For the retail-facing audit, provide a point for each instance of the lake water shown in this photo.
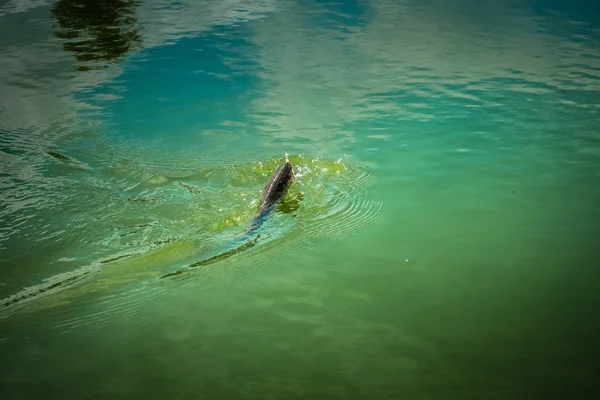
(440, 240)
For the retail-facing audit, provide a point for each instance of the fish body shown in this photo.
(275, 190)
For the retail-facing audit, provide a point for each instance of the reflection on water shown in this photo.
(97, 31)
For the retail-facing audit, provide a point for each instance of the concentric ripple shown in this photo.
(342, 205)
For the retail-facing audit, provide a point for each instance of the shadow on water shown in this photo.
(97, 32)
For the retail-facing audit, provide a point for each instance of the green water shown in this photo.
(440, 241)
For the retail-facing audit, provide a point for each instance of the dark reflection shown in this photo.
(97, 31)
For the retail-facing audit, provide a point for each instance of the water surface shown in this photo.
(440, 240)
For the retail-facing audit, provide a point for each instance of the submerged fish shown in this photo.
(274, 191)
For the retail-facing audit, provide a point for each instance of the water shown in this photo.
(440, 240)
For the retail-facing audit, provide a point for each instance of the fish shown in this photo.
(274, 191)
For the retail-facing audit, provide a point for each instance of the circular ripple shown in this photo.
(346, 215)
(339, 204)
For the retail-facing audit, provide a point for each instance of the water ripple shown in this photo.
(329, 199)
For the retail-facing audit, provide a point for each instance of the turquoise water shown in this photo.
(440, 241)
